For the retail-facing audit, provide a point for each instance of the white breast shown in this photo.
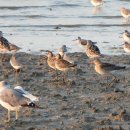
(9, 107)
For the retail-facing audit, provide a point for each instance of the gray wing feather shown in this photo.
(13, 97)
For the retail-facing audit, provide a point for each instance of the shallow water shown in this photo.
(31, 24)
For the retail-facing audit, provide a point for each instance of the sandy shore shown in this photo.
(84, 102)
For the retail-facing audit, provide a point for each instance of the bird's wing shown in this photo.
(94, 49)
(26, 94)
(15, 62)
(111, 67)
(5, 43)
(128, 35)
(13, 97)
(66, 64)
(127, 46)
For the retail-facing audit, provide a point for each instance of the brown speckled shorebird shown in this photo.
(92, 50)
(106, 68)
(126, 47)
(62, 64)
(83, 41)
(126, 36)
(16, 65)
(6, 46)
(51, 60)
(125, 13)
(97, 2)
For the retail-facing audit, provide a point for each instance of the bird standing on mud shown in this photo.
(106, 68)
(92, 50)
(13, 100)
(63, 65)
(16, 65)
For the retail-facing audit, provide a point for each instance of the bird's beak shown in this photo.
(121, 44)
(75, 40)
(68, 47)
(90, 62)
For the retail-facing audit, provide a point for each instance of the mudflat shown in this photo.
(85, 100)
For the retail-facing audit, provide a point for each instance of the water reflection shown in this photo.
(96, 10)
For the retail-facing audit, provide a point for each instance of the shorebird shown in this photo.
(126, 36)
(6, 46)
(83, 41)
(62, 64)
(4, 43)
(63, 52)
(14, 48)
(97, 2)
(92, 50)
(13, 100)
(15, 64)
(51, 60)
(126, 47)
(125, 13)
(106, 68)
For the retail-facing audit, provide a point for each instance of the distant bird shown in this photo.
(63, 52)
(84, 41)
(16, 65)
(92, 50)
(6, 46)
(62, 64)
(106, 68)
(125, 13)
(97, 2)
(126, 47)
(13, 100)
(126, 36)
(26, 94)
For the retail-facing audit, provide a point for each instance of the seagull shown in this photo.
(13, 100)
(126, 36)
(125, 13)
(92, 50)
(97, 2)
(26, 93)
(63, 52)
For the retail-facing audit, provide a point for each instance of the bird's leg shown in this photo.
(8, 120)
(17, 74)
(114, 79)
(57, 75)
(17, 115)
(64, 76)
